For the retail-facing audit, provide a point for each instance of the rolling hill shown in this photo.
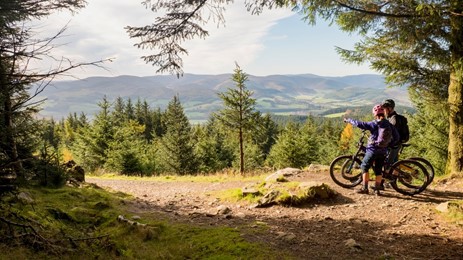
(300, 94)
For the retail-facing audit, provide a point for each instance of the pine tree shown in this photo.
(118, 117)
(265, 134)
(18, 83)
(159, 126)
(211, 148)
(90, 148)
(129, 110)
(126, 150)
(429, 128)
(329, 143)
(296, 146)
(239, 114)
(177, 146)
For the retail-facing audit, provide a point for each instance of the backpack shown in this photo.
(385, 135)
(402, 127)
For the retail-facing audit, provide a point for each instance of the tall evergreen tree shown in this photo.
(177, 145)
(18, 83)
(159, 125)
(90, 148)
(118, 116)
(143, 115)
(239, 114)
(329, 143)
(129, 110)
(429, 131)
(211, 148)
(265, 134)
(126, 150)
(296, 146)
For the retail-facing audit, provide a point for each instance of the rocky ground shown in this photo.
(350, 226)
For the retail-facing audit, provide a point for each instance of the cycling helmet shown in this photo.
(378, 110)
(388, 103)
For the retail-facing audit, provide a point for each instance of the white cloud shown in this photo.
(240, 40)
(97, 32)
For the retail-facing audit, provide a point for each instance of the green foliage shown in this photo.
(46, 171)
(429, 131)
(177, 147)
(329, 135)
(211, 149)
(265, 134)
(90, 148)
(239, 114)
(296, 146)
(455, 211)
(254, 158)
(126, 149)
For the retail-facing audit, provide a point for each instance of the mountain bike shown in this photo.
(427, 164)
(408, 177)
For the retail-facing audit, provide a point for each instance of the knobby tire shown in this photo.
(345, 171)
(428, 166)
(413, 177)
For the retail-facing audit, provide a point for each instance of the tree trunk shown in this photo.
(455, 100)
(9, 145)
(455, 156)
(241, 152)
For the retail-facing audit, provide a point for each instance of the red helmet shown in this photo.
(378, 110)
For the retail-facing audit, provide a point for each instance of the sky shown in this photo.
(275, 42)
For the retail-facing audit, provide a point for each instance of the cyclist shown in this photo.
(400, 123)
(382, 135)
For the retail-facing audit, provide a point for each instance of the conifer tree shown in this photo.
(90, 148)
(329, 144)
(296, 146)
(129, 110)
(212, 150)
(265, 134)
(118, 117)
(177, 145)
(19, 83)
(143, 117)
(159, 126)
(429, 132)
(239, 114)
(127, 148)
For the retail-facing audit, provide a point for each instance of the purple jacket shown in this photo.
(373, 127)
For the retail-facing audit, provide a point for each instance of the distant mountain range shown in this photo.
(277, 94)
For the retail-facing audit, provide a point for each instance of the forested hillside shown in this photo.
(134, 138)
(276, 94)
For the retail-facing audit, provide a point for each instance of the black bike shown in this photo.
(408, 177)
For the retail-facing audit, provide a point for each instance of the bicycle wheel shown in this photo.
(428, 166)
(345, 171)
(410, 177)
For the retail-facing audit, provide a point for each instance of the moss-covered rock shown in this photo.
(293, 193)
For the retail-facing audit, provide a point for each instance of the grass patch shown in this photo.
(455, 211)
(78, 223)
(184, 178)
(288, 193)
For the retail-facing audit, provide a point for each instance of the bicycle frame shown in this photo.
(361, 149)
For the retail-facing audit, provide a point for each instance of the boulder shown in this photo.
(281, 174)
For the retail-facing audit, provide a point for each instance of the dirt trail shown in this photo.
(351, 226)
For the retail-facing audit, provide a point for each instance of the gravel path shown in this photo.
(351, 226)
